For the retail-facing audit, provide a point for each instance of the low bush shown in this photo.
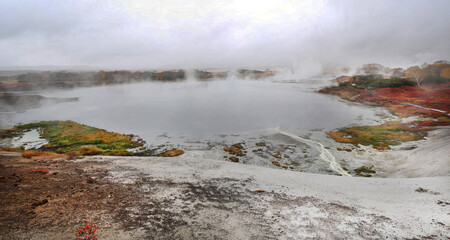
(87, 232)
(374, 81)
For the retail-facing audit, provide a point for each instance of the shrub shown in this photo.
(375, 81)
(87, 232)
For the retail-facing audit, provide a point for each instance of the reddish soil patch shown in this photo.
(47, 196)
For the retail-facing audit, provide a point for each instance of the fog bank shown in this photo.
(305, 35)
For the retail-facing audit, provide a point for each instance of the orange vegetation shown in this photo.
(234, 151)
(9, 149)
(68, 137)
(445, 72)
(339, 136)
(34, 153)
(379, 136)
(171, 153)
(40, 170)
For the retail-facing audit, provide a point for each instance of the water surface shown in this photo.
(198, 110)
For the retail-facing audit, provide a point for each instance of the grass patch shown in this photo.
(71, 138)
(379, 136)
(35, 153)
(364, 171)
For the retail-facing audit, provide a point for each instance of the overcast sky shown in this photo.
(208, 33)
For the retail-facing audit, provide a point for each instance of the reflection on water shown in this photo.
(197, 110)
(29, 140)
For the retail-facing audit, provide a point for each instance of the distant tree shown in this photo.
(445, 73)
(415, 73)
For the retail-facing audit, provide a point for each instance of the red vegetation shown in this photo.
(433, 123)
(40, 170)
(406, 111)
(435, 96)
(87, 232)
(430, 96)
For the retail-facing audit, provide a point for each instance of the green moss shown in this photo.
(68, 137)
(364, 169)
(442, 118)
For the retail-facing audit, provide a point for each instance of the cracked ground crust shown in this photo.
(218, 208)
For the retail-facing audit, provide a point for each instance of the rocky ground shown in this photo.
(186, 197)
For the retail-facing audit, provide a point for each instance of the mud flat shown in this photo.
(187, 197)
(286, 204)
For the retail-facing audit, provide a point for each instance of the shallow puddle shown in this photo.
(29, 140)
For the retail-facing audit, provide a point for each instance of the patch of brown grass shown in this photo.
(35, 153)
(171, 153)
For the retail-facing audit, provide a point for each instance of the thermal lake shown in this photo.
(208, 115)
(196, 109)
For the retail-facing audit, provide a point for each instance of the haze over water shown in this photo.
(196, 109)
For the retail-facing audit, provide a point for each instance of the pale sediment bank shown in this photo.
(325, 155)
(238, 201)
(427, 159)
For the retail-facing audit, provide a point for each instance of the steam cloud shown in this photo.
(220, 34)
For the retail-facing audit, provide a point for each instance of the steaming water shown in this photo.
(198, 110)
(222, 112)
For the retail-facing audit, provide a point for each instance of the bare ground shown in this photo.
(129, 202)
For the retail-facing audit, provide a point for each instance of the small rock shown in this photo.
(39, 203)
(233, 151)
(238, 146)
(261, 144)
(234, 159)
